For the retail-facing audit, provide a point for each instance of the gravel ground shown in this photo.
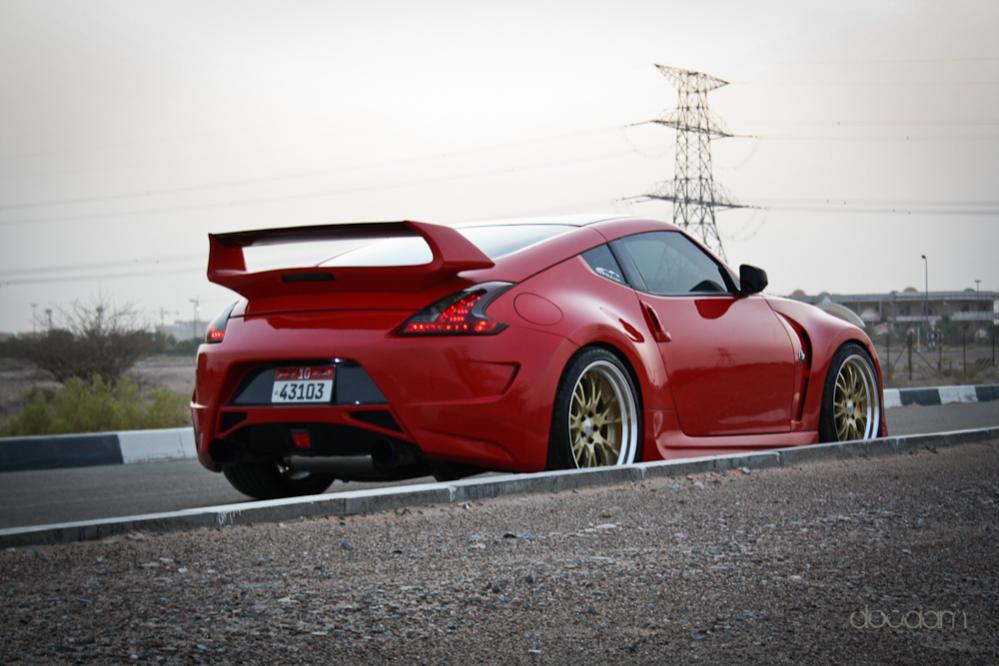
(768, 567)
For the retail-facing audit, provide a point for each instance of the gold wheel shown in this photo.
(856, 408)
(603, 418)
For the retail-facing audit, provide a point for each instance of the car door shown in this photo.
(729, 359)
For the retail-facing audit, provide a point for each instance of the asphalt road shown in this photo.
(51, 496)
(888, 560)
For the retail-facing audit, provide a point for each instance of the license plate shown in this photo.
(302, 385)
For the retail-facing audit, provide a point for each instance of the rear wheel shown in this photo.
(596, 418)
(851, 402)
(273, 480)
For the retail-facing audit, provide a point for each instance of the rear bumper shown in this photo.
(482, 401)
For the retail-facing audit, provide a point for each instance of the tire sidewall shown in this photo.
(559, 448)
(827, 422)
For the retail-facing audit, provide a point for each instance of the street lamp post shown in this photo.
(978, 300)
(926, 298)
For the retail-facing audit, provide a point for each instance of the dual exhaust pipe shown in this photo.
(388, 461)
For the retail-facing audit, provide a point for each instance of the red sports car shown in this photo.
(393, 350)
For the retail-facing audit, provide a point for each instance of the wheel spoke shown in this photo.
(600, 405)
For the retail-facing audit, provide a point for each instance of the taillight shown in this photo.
(462, 313)
(216, 329)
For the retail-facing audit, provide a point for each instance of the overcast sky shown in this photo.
(129, 130)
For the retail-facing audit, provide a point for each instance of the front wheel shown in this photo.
(272, 480)
(596, 420)
(851, 401)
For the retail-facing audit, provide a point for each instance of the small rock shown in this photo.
(606, 526)
(346, 545)
(745, 470)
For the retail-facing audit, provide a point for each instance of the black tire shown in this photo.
(831, 430)
(270, 481)
(560, 453)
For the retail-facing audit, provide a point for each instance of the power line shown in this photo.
(842, 201)
(847, 84)
(856, 206)
(876, 137)
(90, 277)
(227, 184)
(885, 210)
(145, 261)
(317, 194)
(294, 175)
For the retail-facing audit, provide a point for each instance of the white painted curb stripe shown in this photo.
(893, 398)
(156, 445)
(949, 394)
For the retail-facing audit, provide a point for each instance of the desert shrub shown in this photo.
(98, 339)
(97, 405)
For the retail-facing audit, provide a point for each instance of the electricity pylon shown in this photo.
(693, 191)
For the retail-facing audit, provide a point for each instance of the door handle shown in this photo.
(659, 333)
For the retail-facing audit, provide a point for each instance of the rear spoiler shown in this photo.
(452, 253)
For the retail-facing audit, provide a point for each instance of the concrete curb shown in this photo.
(940, 395)
(95, 448)
(139, 446)
(395, 497)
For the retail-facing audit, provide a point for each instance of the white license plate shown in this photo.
(302, 385)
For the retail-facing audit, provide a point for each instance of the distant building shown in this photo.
(978, 309)
(185, 330)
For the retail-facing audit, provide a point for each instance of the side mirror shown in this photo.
(752, 280)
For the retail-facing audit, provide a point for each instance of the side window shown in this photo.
(669, 264)
(603, 263)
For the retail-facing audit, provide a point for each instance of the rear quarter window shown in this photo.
(604, 264)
